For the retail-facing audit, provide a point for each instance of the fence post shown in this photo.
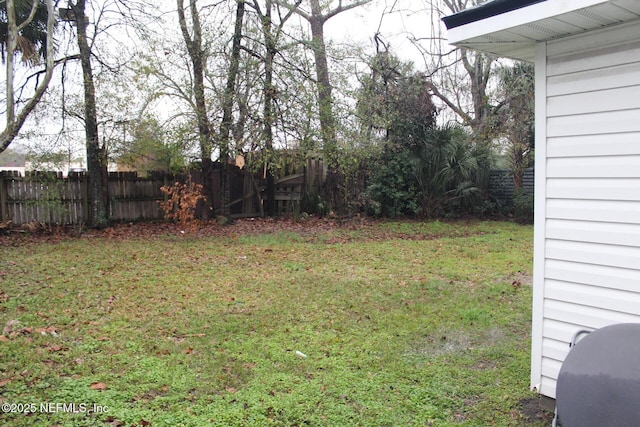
(84, 186)
(4, 208)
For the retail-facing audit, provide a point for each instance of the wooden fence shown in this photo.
(50, 198)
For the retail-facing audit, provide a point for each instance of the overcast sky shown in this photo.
(396, 21)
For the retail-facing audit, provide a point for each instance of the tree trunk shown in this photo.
(227, 106)
(12, 34)
(204, 130)
(517, 166)
(325, 99)
(96, 155)
(269, 96)
(197, 57)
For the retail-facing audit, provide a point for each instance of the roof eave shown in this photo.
(514, 33)
(484, 11)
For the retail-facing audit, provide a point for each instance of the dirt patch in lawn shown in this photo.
(536, 410)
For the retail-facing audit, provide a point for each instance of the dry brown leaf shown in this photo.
(98, 386)
(111, 421)
(10, 326)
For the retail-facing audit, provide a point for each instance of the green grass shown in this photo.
(401, 323)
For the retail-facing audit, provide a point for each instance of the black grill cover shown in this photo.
(599, 381)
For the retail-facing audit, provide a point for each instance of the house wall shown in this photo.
(587, 266)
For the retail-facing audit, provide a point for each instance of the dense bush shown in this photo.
(394, 190)
(422, 168)
(439, 174)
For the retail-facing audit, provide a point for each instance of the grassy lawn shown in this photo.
(386, 324)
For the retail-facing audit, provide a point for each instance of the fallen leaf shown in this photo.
(113, 422)
(9, 326)
(3, 338)
(98, 386)
(144, 422)
(4, 382)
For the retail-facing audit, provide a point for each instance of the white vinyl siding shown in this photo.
(590, 273)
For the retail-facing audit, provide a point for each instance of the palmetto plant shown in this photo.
(448, 167)
(440, 173)
(517, 83)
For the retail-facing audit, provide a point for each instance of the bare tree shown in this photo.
(96, 153)
(271, 33)
(317, 15)
(227, 104)
(15, 119)
(198, 58)
(460, 78)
